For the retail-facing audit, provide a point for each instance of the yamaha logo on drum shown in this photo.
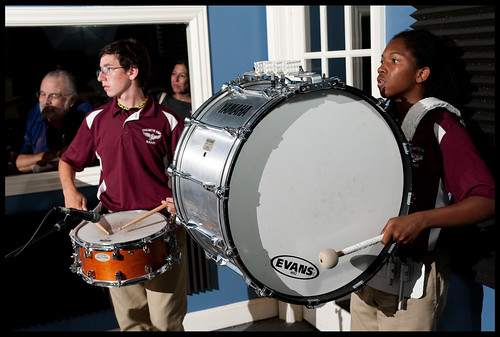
(295, 267)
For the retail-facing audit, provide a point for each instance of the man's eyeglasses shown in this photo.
(105, 70)
(54, 96)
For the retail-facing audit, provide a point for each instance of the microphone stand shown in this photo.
(60, 225)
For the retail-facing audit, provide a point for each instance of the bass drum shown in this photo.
(265, 182)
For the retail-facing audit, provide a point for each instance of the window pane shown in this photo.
(336, 30)
(313, 39)
(336, 68)
(313, 65)
(362, 74)
(360, 16)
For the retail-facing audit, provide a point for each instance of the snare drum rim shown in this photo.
(107, 247)
(386, 252)
(122, 283)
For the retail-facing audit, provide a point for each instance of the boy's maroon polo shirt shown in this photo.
(134, 149)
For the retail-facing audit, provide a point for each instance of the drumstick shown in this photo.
(101, 227)
(361, 245)
(151, 212)
(328, 258)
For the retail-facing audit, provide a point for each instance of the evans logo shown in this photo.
(295, 267)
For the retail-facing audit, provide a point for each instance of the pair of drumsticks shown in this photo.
(151, 212)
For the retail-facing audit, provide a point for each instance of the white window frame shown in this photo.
(195, 17)
(287, 31)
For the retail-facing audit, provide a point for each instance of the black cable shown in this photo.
(21, 249)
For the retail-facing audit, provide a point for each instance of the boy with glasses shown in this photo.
(134, 139)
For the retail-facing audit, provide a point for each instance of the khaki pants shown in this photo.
(375, 310)
(159, 304)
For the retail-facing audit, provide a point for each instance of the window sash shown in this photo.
(287, 36)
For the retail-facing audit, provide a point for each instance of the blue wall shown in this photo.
(397, 19)
(238, 38)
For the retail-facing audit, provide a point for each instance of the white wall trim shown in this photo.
(328, 317)
(194, 16)
(231, 315)
(377, 29)
(48, 181)
(285, 32)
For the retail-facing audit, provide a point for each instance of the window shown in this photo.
(342, 41)
(194, 17)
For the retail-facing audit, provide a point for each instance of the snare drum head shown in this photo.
(322, 170)
(146, 228)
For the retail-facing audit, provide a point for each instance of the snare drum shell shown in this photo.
(133, 255)
(128, 263)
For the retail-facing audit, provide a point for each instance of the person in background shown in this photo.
(180, 98)
(134, 139)
(52, 123)
(424, 80)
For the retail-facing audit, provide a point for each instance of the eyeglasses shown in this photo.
(105, 70)
(53, 96)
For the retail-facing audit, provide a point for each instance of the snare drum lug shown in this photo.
(118, 275)
(146, 249)
(173, 258)
(116, 254)
(91, 274)
(172, 243)
(87, 253)
(148, 270)
(74, 267)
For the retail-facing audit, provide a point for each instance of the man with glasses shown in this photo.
(52, 123)
(134, 138)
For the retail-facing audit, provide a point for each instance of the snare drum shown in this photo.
(135, 254)
(265, 178)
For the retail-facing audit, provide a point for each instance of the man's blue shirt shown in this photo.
(41, 136)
